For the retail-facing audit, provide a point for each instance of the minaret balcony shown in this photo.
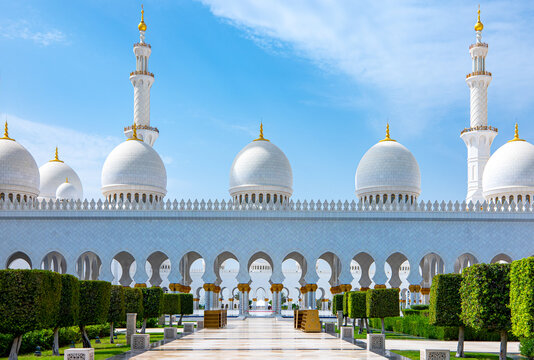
(478, 45)
(148, 45)
(142, 127)
(476, 73)
(480, 127)
(141, 73)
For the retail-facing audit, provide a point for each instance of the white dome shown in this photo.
(53, 174)
(19, 174)
(510, 171)
(388, 168)
(67, 191)
(134, 167)
(261, 166)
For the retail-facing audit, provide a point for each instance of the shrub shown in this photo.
(152, 303)
(186, 305)
(29, 300)
(117, 308)
(382, 303)
(412, 312)
(171, 305)
(69, 307)
(485, 294)
(133, 301)
(420, 307)
(94, 305)
(526, 348)
(357, 304)
(522, 297)
(337, 303)
(346, 303)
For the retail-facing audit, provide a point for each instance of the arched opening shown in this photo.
(463, 261)
(226, 268)
(88, 266)
(123, 267)
(54, 261)
(19, 260)
(364, 270)
(294, 268)
(192, 267)
(397, 269)
(158, 267)
(260, 268)
(501, 259)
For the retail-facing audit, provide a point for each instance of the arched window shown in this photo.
(25, 198)
(246, 198)
(253, 198)
(137, 197)
(18, 197)
(503, 199)
(144, 197)
(2, 196)
(511, 198)
(240, 199)
(527, 198)
(519, 198)
(392, 197)
(129, 197)
(268, 198)
(261, 198)
(10, 197)
(150, 197)
(281, 199)
(275, 196)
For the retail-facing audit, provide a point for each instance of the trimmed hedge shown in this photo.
(171, 304)
(522, 299)
(412, 312)
(94, 302)
(346, 303)
(29, 300)
(337, 303)
(420, 307)
(357, 304)
(69, 306)
(382, 303)
(117, 309)
(152, 302)
(485, 293)
(133, 301)
(186, 304)
(445, 301)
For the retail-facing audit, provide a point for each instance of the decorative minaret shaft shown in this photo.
(142, 81)
(479, 136)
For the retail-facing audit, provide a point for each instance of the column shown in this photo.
(195, 303)
(276, 289)
(243, 298)
(208, 296)
(304, 297)
(311, 289)
(216, 298)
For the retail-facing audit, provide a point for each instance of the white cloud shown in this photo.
(22, 29)
(413, 54)
(84, 152)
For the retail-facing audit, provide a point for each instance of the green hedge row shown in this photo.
(44, 338)
(337, 303)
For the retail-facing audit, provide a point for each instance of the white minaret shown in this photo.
(142, 81)
(479, 136)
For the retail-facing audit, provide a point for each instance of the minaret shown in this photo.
(479, 136)
(142, 81)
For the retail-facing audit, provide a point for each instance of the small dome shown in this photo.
(20, 174)
(509, 172)
(388, 168)
(53, 174)
(261, 167)
(67, 191)
(134, 167)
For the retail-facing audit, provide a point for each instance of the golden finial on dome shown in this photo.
(6, 134)
(134, 135)
(516, 134)
(261, 138)
(387, 138)
(56, 157)
(479, 26)
(67, 180)
(142, 25)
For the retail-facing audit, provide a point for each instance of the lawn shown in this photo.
(414, 355)
(102, 351)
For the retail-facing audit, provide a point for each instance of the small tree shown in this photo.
(485, 293)
(346, 306)
(446, 305)
(29, 300)
(94, 305)
(171, 305)
(186, 306)
(358, 308)
(133, 301)
(152, 304)
(117, 308)
(522, 297)
(382, 303)
(337, 303)
(68, 307)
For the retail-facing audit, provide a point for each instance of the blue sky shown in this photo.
(324, 76)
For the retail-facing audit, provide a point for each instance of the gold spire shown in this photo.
(479, 26)
(516, 134)
(6, 134)
(56, 158)
(387, 138)
(261, 138)
(142, 25)
(134, 135)
(67, 180)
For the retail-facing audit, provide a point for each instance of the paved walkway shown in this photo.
(259, 338)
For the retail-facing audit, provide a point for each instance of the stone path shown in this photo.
(258, 339)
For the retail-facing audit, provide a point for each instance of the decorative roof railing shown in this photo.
(478, 45)
(292, 206)
(475, 73)
(141, 127)
(479, 127)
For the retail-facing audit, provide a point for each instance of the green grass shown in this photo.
(102, 351)
(414, 355)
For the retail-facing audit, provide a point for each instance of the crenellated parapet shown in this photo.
(291, 206)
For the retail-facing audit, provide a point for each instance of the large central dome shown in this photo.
(388, 171)
(261, 172)
(134, 171)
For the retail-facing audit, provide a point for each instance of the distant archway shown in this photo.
(88, 266)
(463, 261)
(19, 260)
(54, 261)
